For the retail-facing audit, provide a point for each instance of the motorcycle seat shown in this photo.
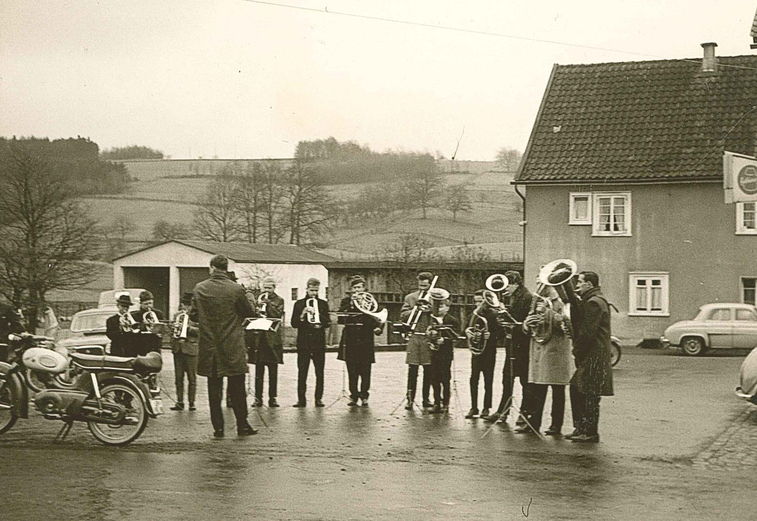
(102, 362)
(152, 362)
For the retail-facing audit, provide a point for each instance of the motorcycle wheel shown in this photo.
(134, 423)
(614, 354)
(8, 415)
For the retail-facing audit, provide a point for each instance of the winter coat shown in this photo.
(357, 343)
(519, 307)
(309, 337)
(444, 353)
(591, 346)
(266, 347)
(550, 358)
(219, 306)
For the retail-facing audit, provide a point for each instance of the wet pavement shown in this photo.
(676, 444)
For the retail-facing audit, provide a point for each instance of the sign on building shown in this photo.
(739, 178)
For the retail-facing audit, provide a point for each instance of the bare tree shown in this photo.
(509, 159)
(46, 235)
(248, 199)
(456, 200)
(163, 230)
(306, 204)
(216, 218)
(271, 194)
(425, 187)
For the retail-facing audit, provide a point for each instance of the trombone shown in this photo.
(407, 327)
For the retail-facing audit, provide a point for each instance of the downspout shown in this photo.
(523, 224)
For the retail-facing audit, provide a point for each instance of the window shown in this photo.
(611, 214)
(580, 208)
(748, 293)
(648, 295)
(720, 314)
(746, 218)
(745, 314)
(294, 293)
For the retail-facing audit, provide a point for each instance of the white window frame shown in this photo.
(572, 220)
(741, 229)
(595, 231)
(742, 287)
(633, 277)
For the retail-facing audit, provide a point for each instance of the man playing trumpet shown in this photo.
(184, 348)
(150, 324)
(267, 350)
(310, 317)
(358, 343)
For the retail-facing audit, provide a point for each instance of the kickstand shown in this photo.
(63, 432)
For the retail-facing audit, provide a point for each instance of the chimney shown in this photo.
(709, 61)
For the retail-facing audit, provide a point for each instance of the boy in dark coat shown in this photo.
(442, 352)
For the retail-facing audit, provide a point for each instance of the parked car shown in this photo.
(88, 329)
(716, 326)
(747, 388)
(108, 298)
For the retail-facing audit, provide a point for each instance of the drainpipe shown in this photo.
(523, 224)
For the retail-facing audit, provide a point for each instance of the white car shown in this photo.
(719, 325)
(748, 378)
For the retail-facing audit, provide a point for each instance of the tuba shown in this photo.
(559, 274)
(366, 303)
(181, 325)
(477, 333)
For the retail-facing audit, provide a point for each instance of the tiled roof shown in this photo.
(256, 253)
(753, 33)
(641, 121)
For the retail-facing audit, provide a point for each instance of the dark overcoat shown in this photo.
(266, 347)
(122, 343)
(591, 346)
(519, 307)
(444, 353)
(310, 338)
(357, 343)
(220, 306)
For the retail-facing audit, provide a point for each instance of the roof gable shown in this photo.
(642, 121)
(243, 252)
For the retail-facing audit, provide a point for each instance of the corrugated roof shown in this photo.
(641, 121)
(254, 253)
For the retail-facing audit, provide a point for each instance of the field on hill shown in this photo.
(164, 190)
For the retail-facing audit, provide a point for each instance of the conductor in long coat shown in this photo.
(219, 306)
(591, 350)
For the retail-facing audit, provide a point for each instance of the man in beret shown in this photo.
(219, 306)
(310, 317)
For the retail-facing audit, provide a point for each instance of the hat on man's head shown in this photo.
(269, 280)
(186, 298)
(513, 277)
(232, 276)
(145, 295)
(313, 283)
(124, 299)
(356, 279)
(220, 262)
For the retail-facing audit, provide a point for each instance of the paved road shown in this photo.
(676, 444)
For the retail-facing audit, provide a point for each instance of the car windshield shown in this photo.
(89, 322)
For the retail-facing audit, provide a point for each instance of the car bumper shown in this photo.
(752, 398)
(666, 343)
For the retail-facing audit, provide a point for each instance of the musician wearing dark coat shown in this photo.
(311, 322)
(149, 321)
(442, 352)
(219, 306)
(184, 349)
(357, 344)
(123, 330)
(484, 362)
(518, 302)
(10, 322)
(592, 353)
(418, 353)
(266, 349)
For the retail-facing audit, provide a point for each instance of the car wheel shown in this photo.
(693, 346)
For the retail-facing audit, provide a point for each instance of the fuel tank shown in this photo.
(45, 360)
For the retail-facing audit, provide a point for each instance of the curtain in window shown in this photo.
(605, 204)
(619, 214)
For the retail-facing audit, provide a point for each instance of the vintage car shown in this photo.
(716, 326)
(88, 329)
(747, 388)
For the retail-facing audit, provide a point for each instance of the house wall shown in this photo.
(684, 229)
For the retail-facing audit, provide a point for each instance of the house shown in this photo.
(172, 268)
(623, 173)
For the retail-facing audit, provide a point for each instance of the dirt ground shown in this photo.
(676, 444)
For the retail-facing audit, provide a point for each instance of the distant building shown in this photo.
(623, 174)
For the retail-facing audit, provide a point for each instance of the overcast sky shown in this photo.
(239, 79)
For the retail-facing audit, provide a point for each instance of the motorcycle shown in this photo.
(114, 395)
(615, 352)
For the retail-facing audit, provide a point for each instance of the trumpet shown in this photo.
(127, 323)
(314, 316)
(263, 303)
(181, 325)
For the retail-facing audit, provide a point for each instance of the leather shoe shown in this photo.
(365, 402)
(427, 405)
(272, 402)
(524, 429)
(409, 406)
(586, 438)
(572, 435)
(472, 413)
(485, 411)
(299, 404)
(494, 418)
(218, 433)
(553, 432)
(247, 430)
(319, 403)
(257, 403)
(352, 402)
(192, 407)
(178, 407)
(436, 409)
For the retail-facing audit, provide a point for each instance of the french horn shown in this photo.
(366, 303)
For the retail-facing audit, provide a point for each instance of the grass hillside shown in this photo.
(166, 190)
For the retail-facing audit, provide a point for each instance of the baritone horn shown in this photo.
(366, 303)
(477, 333)
(497, 282)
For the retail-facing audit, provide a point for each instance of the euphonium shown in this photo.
(181, 325)
(367, 303)
(314, 316)
(477, 333)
